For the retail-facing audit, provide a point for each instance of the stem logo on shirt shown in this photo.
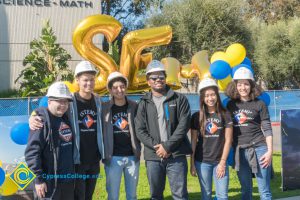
(88, 121)
(211, 127)
(65, 132)
(240, 118)
(121, 123)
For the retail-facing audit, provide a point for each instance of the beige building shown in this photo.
(21, 21)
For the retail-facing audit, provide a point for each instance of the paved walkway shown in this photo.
(291, 198)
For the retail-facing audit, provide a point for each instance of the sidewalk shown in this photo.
(290, 198)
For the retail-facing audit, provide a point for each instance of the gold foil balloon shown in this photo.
(172, 67)
(188, 71)
(132, 46)
(219, 55)
(145, 60)
(83, 43)
(201, 64)
(8, 187)
(223, 83)
(235, 53)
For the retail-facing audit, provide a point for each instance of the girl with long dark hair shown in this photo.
(211, 131)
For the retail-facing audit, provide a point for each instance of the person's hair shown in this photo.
(232, 92)
(111, 82)
(88, 72)
(149, 74)
(203, 112)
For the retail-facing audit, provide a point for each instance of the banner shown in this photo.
(290, 139)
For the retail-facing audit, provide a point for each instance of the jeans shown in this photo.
(208, 172)
(84, 188)
(175, 169)
(129, 165)
(263, 176)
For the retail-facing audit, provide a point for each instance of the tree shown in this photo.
(45, 64)
(277, 54)
(131, 13)
(271, 11)
(201, 25)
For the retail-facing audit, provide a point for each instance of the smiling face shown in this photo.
(244, 88)
(210, 98)
(157, 81)
(118, 90)
(86, 82)
(58, 106)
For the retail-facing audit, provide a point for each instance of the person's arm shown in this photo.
(141, 130)
(182, 128)
(266, 127)
(33, 153)
(194, 138)
(228, 141)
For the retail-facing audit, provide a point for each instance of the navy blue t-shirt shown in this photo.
(63, 135)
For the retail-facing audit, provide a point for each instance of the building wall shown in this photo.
(21, 21)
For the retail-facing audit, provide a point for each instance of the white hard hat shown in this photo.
(155, 66)
(84, 66)
(115, 75)
(243, 73)
(59, 90)
(207, 82)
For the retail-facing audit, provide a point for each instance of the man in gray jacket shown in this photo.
(162, 123)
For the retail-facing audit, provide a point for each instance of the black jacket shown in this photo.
(42, 152)
(177, 114)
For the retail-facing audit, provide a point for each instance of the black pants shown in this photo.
(63, 191)
(85, 186)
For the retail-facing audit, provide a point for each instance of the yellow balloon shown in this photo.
(224, 83)
(0, 163)
(8, 187)
(172, 66)
(83, 43)
(133, 44)
(201, 63)
(235, 53)
(73, 87)
(188, 71)
(219, 55)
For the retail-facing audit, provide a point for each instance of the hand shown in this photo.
(266, 159)
(160, 151)
(35, 122)
(41, 190)
(193, 170)
(221, 170)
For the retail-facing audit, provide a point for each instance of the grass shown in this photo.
(194, 187)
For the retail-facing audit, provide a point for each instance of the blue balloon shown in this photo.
(43, 102)
(19, 133)
(220, 69)
(2, 176)
(225, 102)
(247, 61)
(241, 65)
(265, 98)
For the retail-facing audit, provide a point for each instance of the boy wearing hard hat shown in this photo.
(49, 150)
(122, 148)
(85, 117)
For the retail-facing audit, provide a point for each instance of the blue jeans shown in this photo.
(175, 169)
(129, 165)
(206, 172)
(263, 176)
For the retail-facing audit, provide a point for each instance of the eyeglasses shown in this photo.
(155, 77)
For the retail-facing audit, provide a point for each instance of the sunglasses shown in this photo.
(155, 77)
